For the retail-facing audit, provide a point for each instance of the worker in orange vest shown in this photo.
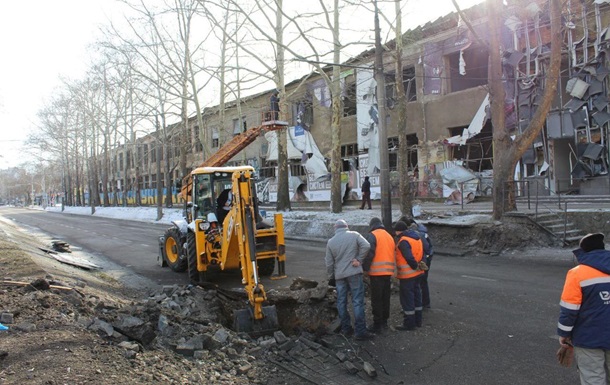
(409, 253)
(380, 266)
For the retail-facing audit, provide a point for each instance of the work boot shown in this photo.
(418, 318)
(408, 323)
(384, 325)
(365, 336)
(375, 328)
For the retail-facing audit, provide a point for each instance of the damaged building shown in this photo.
(449, 130)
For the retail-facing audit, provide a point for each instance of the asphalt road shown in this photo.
(493, 319)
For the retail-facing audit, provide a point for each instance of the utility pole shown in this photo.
(384, 173)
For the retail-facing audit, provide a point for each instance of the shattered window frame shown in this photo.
(482, 146)
(477, 69)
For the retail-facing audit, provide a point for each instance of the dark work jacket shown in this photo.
(366, 186)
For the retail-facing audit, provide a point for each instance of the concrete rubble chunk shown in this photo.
(27, 327)
(369, 369)
(351, 369)
(136, 329)
(162, 324)
(280, 337)
(221, 336)
(310, 343)
(210, 343)
(99, 325)
(286, 346)
(6, 318)
(168, 290)
(267, 343)
(188, 348)
(130, 346)
(245, 368)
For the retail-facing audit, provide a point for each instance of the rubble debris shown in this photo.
(61, 246)
(38, 284)
(6, 318)
(190, 321)
(75, 261)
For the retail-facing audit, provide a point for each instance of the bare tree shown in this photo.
(508, 151)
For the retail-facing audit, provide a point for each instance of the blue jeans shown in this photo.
(354, 285)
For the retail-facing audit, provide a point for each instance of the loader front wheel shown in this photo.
(191, 250)
(172, 250)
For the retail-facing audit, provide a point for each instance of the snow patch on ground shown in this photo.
(353, 216)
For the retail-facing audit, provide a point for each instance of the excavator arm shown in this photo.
(256, 319)
(232, 148)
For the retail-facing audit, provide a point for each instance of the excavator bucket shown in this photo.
(244, 322)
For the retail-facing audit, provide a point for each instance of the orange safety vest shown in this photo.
(384, 260)
(417, 249)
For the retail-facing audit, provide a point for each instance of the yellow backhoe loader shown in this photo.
(223, 230)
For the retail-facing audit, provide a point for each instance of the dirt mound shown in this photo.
(491, 238)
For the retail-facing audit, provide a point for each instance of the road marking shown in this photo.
(479, 278)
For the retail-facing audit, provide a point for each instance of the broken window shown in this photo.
(198, 144)
(302, 113)
(297, 170)
(468, 69)
(215, 138)
(349, 99)
(411, 152)
(145, 153)
(477, 153)
(348, 150)
(239, 126)
(408, 82)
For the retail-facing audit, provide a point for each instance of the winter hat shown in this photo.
(407, 220)
(340, 224)
(375, 222)
(400, 226)
(592, 242)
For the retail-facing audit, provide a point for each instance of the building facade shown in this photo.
(449, 132)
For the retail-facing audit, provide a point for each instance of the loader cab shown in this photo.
(203, 196)
(208, 190)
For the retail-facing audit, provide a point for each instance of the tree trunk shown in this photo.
(501, 139)
(283, 193)
(506, 151)
(404, 182)
(336, 165)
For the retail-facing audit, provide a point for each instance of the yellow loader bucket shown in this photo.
(244, 322)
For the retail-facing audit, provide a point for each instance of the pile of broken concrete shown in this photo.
(178, 333)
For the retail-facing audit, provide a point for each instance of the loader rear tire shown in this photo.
(191, 256)
(266, 267)
(173, 251)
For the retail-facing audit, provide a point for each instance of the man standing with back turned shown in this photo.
(584, 320)
(344, 255)
(380, 265)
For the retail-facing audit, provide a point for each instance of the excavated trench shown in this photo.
(304, 306)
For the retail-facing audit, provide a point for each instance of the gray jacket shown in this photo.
(341, 250)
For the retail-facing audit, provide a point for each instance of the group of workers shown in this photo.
(404, 252)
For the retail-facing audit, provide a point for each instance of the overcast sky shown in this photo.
(43, 40)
